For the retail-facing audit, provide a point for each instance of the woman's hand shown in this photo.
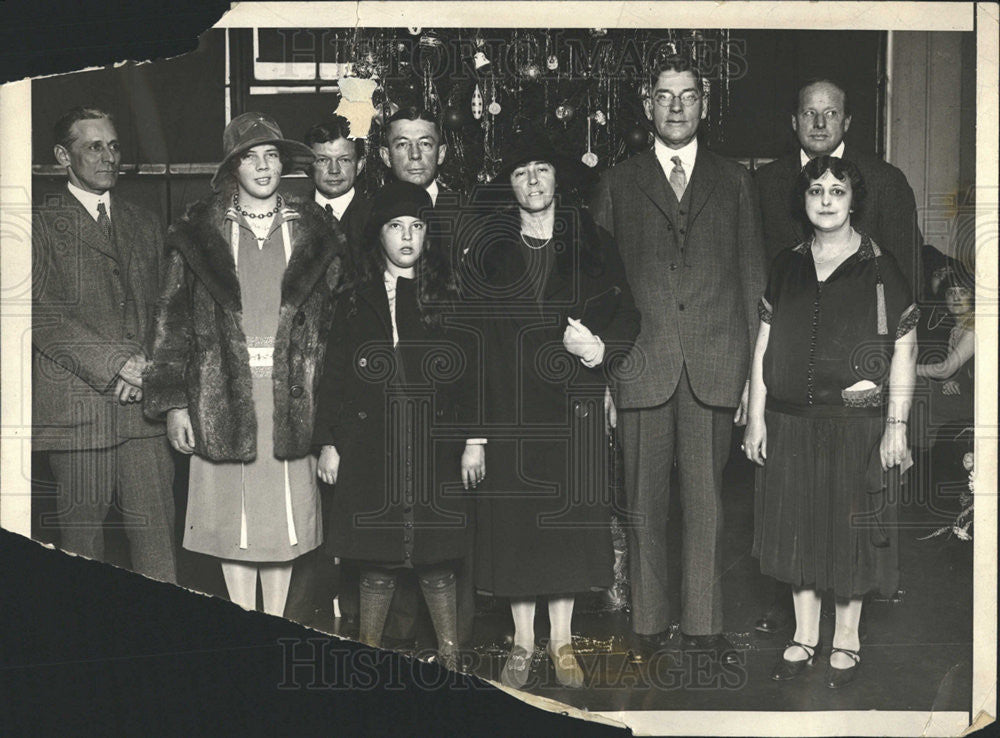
(893, 447)
(180, 433)
(755, 441)
(580, 342)
(473, 464)
(329, 464)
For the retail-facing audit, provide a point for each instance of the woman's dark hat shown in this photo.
(253, 129)
(399, 198)
(533, 147)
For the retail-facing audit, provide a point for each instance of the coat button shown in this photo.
(581, 409)
(362, 362)
(670, 226)
(300, 318)
(673, 267)
(408, 524)
(408, 509)
(130, 335)
(439, 413)
(296, 391)
(680, 306)
(116, 271)
(362, 414)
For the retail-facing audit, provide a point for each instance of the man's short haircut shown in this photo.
(62, 132)
(334, 128)
(412, 113)
(673, 63)
(820, 81)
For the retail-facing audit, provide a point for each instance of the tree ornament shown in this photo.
(600, 118)
(494, 108)
(531, 72)
(598, 32)
(477, 103)
(414, 30)
(552, 62)
(479, 60)
(637, 138)
(589, 158)
(453, 118)
(564, 112)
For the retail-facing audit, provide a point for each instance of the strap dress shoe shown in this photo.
(785, 670)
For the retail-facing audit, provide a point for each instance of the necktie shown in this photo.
(678, 179)
(329, 212)
(105, 222)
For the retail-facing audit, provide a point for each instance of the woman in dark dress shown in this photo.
(558, 316)
(830, 392)
(387, 418)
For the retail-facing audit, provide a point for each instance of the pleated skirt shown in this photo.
(818, 523)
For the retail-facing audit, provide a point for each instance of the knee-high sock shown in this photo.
(377, 588)
(438, 586)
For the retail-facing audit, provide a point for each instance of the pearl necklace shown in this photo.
(248, 214)
(535, 248)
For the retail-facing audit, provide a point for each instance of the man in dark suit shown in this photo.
(97, 261)
(339, 161)
(688, 227)
(317, 577)
(820, 119)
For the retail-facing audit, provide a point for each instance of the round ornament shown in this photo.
(590, 159)
(637, 138)
(494, 108)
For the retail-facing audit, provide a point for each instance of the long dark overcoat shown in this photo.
(199, 351)
(543, 515)
(398, 419)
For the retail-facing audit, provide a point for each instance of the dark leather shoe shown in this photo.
(718, 644)
(837, 678)
(647, 645)
(785, 669)
(778, 617)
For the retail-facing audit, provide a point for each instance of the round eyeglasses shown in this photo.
(665, 99)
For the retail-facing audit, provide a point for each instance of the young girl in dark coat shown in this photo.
(389, 403)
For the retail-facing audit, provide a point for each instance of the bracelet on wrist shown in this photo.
(895, 421)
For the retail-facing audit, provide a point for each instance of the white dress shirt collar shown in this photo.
(89, 200)
(688, 154)
(338, 204)
(432, 190)
(838, 152)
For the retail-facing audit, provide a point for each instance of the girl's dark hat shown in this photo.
(253, 129)
(398, 198)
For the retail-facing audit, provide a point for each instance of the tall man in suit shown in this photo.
(820, 117)
(97, 261)
(688, 227)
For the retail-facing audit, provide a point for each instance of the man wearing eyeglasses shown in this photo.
(687, 224)
(821, 116)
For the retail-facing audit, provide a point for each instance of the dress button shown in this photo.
(362, 414)
(682, 212)
(115, 271)
(296, 391)
(362, 362)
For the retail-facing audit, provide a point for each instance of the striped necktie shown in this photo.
(105, 223)
(678, 179)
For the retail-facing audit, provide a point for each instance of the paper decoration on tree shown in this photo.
(477, 103)
(356, 104)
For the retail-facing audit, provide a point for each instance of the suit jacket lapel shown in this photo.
(703, 180)
(652, 181)
(90, 233)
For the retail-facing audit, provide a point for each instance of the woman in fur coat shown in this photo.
(394, 392)
(240, 334)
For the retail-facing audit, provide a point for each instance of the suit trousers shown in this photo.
(137, 477)
(698, 436)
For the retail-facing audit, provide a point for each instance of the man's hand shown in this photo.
(610, 411)
(329, 464)
(740, 418)
(180, 433)
(132, 370)
(473, 464)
